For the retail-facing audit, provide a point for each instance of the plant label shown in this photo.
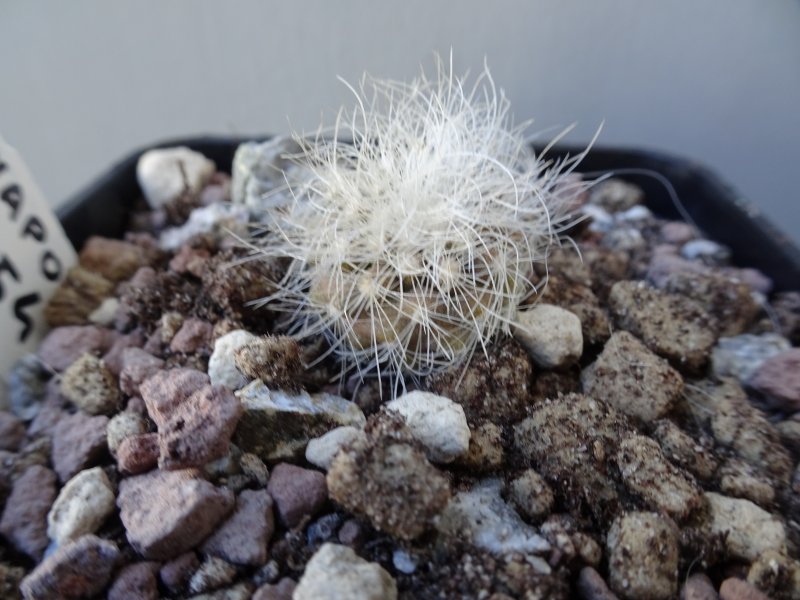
(35, 254)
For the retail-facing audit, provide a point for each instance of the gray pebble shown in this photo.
(27, 385)
(705, 250)
(323, 528)
(404, 562)
(740, 356)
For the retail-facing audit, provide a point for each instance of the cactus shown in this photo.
(412, 244)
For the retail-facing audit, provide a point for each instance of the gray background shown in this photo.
(84, 82)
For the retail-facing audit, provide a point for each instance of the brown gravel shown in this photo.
(639, 470)
(491, 388)
(672, 326)
(388, 479)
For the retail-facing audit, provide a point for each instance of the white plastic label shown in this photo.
(35, 254)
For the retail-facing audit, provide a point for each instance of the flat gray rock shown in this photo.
(277, 425)
(481, 517)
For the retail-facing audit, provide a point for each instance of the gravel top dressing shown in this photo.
(425, 364)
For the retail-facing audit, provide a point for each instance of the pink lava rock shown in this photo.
(143, 277)
(591, 585)
(195, 420)
(135, 581)
(24, 520)
(166, 513)
(190, 260)
(193, 336)
(138, 453)
(778, 378)
(12, 431)
(63, 345)
(199, 430)
(50, 413)
(282, 590)
(738, 589)
(113, 358)
(137, 365)
(244, 537)
(79, 569)
(297, 492)
(136, 405)
(351, 533)
(156, 344)
(663, 265)
(176, 573)
(79, 441)
(753, 278)
(698, 587)
(677, 232)
(164, 391)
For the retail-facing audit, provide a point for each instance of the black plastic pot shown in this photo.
(102, 208)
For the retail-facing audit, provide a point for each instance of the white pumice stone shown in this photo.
(635, 213)
(321, 451)
(82, 506)
(601, 219)
(165, 173)
(552, 335)
(438, 423)
(122, 425)
(222, 366)
(748, 530)
(336, 571)
(482, 518)
(696, 249)
(202, 220)
(104, 314)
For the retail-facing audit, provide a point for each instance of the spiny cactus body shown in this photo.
(412, 244)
